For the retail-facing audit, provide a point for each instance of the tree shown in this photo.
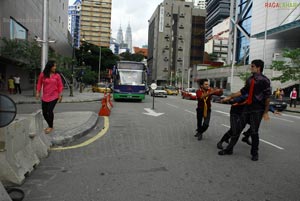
(290, 67)
(127, 56)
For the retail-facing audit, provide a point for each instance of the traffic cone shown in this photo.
(104, 110)
(109, 100)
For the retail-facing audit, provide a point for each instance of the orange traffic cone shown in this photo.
(105, 110)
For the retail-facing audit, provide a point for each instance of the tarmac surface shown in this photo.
(72, 125)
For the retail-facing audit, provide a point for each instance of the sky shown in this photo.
(135, 12)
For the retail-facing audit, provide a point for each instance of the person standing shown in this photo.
(11, 85)
(293, 96)
(52, 86)
(258, 88)
(203, 110)
(17, 84)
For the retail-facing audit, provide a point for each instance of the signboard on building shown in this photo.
(161, 19)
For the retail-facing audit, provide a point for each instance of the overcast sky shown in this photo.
(135, 12)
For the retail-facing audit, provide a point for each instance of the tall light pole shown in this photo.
(45, 34)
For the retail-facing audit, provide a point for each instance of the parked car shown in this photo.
(189, 93)
(101, 88)
(159, 91)
(217, 99)
(171, 90)
(279, 105)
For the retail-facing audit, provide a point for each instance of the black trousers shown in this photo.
(18, 88)
(202, 123)
(47, 108)
(293, 101)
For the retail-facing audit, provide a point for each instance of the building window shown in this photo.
(17, 31)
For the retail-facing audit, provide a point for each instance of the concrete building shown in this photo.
(175, 42)
(259, 30)
(217, 11)
(96, 22)
(74, 22)
(22, 20)
(218, 43)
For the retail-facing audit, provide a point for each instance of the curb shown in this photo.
(63, 137)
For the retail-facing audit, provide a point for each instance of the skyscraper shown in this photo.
(74, 22)
(175, 42)
(128, 38)
(120, 36)
(96, 21)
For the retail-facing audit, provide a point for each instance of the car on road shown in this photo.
(101, 88)
(277, 104)
(159, 91)
(189, 93)
(217, 99)
(171, 90)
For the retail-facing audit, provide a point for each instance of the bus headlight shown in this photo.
(142, 91)
(117, 90)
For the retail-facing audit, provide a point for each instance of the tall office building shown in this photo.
(74, 22)
(217, 11)
(120, 36)
(175, 42)
(128, 38)
(96, 22)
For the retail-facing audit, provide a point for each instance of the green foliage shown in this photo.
(127, 56)
(244, 76)
(89, 76)
(291, 69)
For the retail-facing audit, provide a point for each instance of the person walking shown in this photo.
(17, 84)
(293, 97)
(258, 88)
(11, 85)
(52, 86)
(203, 110)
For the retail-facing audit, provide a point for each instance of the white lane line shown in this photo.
(282, 119)
(190, 112)
(287, 115)
(172, 105)
(225, 125)
(269, 143)
(226, 113)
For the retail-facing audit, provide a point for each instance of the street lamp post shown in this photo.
(72, 73)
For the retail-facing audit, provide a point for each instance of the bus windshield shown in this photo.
(131, 77)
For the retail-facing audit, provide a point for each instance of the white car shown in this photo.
(159, 91)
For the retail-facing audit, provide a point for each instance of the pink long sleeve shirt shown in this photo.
(52, 87)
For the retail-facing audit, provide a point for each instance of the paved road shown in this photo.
(143, 157)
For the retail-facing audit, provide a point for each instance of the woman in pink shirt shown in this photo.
(52, 86)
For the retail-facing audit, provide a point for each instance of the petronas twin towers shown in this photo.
(128, 38)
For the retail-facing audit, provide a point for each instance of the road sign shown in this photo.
(8, 110)
(153, 86)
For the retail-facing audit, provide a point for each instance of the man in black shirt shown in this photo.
(257, 104)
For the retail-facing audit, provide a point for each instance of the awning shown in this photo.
(289, 32)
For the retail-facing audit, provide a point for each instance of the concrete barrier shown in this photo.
(17, 157)
(39, 142)
(3, 194)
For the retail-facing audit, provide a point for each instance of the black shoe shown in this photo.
(225, 152)
(254, 157)
(227, 141)
(246, 140)
(219, 145)
(199, 136)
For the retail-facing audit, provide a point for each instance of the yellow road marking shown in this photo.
(89, 141)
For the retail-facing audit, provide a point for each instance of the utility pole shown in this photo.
(44, 57)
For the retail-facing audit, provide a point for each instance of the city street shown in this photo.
(153, 155)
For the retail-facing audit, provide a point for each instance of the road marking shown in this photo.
(190, 112)
(287, 115)
(225, 125)
(226, 113)
(152, 112)
(172, 105)
(269, 143)
(89, 141)
(282, 119)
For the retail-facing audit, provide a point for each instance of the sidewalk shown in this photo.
(68, 126)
